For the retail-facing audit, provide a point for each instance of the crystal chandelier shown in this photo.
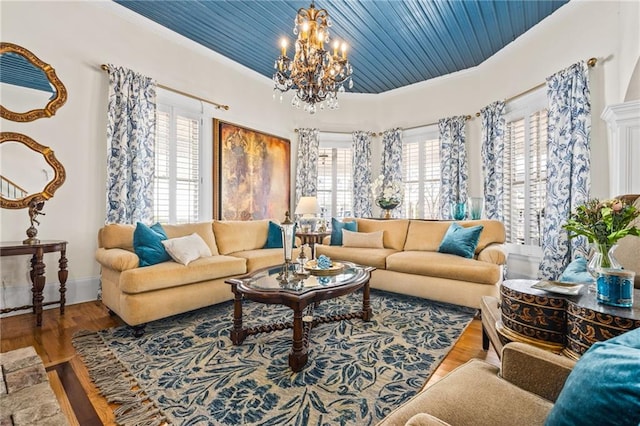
(316, 75)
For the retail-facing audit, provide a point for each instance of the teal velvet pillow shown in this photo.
(274, 236)
(461, 241)
(604, 386)
(336, 230)
(576, 272)
(147, 243)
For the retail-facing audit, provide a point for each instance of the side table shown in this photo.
(312, 238)
(567, 324)
(37, 251)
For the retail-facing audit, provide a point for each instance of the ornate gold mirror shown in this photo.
(30, 88)
(28, 171)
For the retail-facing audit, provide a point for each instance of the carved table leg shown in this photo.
(37, 275)
(62, 277)
(238, 334)
(298, 354)
(366, 306)
(32, 275)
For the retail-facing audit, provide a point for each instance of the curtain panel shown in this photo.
(492, 151)
(131, 146)
(453, 163)
(362, 206)
(568, 164)
(392, 161)
(307, 164)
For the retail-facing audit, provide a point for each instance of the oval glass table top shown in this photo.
(29, 171)
(30, 88)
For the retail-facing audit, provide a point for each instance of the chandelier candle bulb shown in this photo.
(283, 44)
(344, 50)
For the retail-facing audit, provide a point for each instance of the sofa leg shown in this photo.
(485, 339)
(138, 330)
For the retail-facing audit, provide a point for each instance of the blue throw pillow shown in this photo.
(461, 241)
(576, 272)
(274, 236)
(336, 230)
(147, 243)
(604, 386)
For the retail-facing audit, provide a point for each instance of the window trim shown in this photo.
(522, 108)
(420, 135)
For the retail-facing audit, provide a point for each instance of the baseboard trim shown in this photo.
(78, 291)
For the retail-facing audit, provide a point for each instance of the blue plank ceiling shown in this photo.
(17, 70)
(392, 43)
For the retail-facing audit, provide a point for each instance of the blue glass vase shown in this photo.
(458, 211)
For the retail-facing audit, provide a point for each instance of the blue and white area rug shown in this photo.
(186, 371)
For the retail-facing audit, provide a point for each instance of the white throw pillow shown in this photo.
(186, 249)
(362, 239)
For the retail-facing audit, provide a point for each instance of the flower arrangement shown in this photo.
(387, 194)
(603, 222)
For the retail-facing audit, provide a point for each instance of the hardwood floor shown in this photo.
(52, 341)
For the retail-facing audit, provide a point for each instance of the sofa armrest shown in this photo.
(493, 253)
(535, 370)
(117, 259)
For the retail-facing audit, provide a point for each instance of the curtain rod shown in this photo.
(217, 105)
(337, 133)
(468, 117)
(591, 62)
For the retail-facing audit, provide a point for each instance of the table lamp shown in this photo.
(306, 210)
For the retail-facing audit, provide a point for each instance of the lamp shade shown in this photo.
(308, 206)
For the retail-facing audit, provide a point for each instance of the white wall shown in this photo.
(76, 37)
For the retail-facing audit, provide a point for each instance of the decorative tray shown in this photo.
(560, 287)
(312, 267)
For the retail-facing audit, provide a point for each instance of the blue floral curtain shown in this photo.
(362, 174)
(131, 138)
(493, 128)
(307, 164)
(568, 163)
(453, 163)
(392, 161)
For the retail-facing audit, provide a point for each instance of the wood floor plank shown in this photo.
(63, 399)
(52, 341)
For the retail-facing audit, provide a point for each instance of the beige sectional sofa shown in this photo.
(142, 294)
(410, 262)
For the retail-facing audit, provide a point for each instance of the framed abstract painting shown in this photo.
(251, 173)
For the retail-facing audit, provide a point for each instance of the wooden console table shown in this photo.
(37, 251)
(567, 324)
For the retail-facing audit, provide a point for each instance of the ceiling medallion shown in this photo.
(316, 75)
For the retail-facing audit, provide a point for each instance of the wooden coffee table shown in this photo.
(302, 297)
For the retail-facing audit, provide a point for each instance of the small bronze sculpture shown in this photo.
(35, 208)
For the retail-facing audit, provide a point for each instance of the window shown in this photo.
(178, 183)
(525, 177)
(421, 173)
(335, 176)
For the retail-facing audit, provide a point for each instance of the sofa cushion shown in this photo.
(375, 257)
(147, 243)
(576, 272)
(460, 241)
(395, 230)
(336, 230)
(186, 249)
(172, 274)
(604, 387)
(442, 265)
(262, 258)
(427, 234)
(204, 229)
(236, 235)
(362, 239)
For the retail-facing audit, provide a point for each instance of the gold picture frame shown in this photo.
(251, 173)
